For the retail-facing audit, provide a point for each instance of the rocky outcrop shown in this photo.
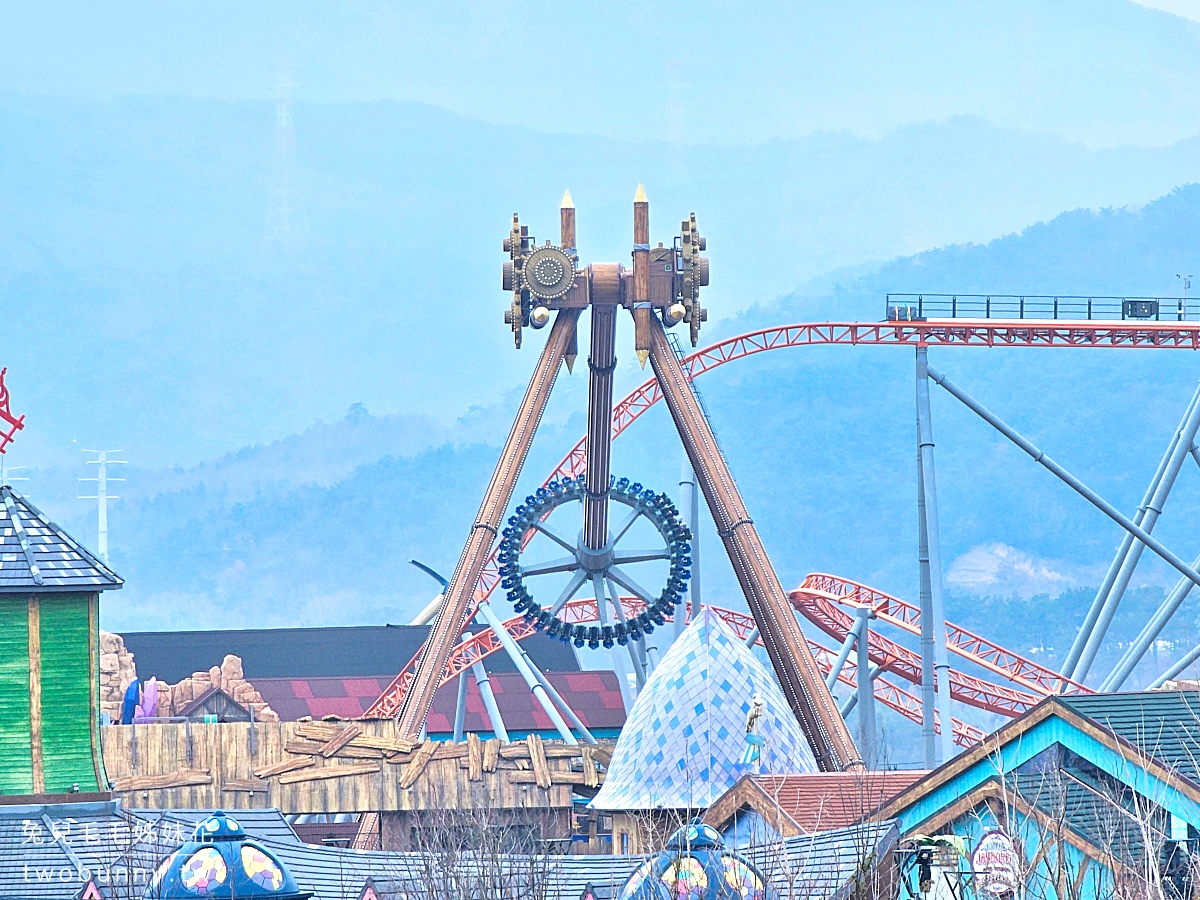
(229, 677)
(118, 670)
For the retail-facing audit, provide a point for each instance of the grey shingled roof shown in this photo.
(1162, 724)
(808, 867)
(44, 847)
(36, 555)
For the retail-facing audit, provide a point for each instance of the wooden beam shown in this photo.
(491, 755)
(35, 694)
(474, 758)
(554, 778)
(179, 778)
(331, 747)
(254, 786)
(327, 772)
(537, 755)
(420, 760)
(288, 765)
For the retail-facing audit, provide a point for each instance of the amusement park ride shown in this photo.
(662, 291)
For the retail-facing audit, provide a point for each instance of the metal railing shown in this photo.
(920, 307)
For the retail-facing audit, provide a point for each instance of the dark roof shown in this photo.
(370, 651)
(1162, 724)
(36, 555)
(1106, 818)
(38, 843)
(264, 824)
(809, 867)
(595, 696)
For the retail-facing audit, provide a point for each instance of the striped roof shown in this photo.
(36, 555)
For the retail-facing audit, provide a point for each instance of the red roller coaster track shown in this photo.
(954, 333)
(979, 650)
(480, 646)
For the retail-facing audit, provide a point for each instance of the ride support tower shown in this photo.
(662, 291)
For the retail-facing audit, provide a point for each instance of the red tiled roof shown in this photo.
(594, 696)
(811, 802)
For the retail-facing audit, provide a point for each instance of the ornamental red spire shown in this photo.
(15, 423)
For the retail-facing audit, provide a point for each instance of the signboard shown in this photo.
(996, 865)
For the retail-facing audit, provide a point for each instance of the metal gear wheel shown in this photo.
(603, 568)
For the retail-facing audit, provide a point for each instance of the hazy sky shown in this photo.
(1106, 72)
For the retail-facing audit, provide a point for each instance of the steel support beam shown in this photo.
(1146, 518)
(786, 645)
(489, 700)
(866, 691)
(843, 653)
(558, 699)
(928, 695)
(460, 704)
(529, 673)
(447, 626)
(688, 489)
(1078, 486)
(1184, 661)
(852, 701)
(1149, 634)
(937, 608)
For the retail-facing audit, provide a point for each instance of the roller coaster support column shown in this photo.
(1089, 622)
(937, 609)
(529, 673)
(866, 690)
(852, 701)
(1184, 661)
(928, 696)
(799, 676)
(688, 489)
(460, 704)
(1184, 436)
(1078, 486)
(1149, 634)
(843, 653)
(489, 700)
(448, 624)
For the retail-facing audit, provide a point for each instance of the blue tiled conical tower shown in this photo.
(683, 741)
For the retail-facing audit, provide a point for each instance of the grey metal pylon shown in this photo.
(536, 687)
(866, 691)
(1040, 457)
(844, 653)
(1089, 621)
(1149, 633)
(937, 609)
(1148, 517)
(460, 703)
(1184, 661)
(928, 697)
(489, 700)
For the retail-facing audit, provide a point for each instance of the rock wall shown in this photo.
(118, 670)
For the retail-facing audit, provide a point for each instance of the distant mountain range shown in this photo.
(185, 277)
(161, 301)
(318, 527)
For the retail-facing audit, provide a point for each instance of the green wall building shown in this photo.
(49, 655)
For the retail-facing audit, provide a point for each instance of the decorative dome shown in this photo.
(684, 739)
(696, 866)
(220, 862)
